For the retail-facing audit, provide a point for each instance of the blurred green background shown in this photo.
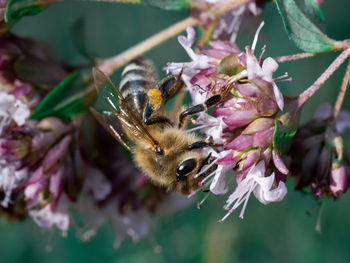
(281, 232)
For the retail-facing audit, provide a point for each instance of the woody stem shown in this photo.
(342, 91)
(307, 94)
(109, 65)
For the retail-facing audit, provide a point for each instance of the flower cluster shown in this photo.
(319, 160)
(243, 123)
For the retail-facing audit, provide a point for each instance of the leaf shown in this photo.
(168, 4)
(15, 9)
(78, 37)
(312, 11)
(69, 99)
(286, 125)
(305, 35)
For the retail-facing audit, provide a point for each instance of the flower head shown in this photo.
(243, 123)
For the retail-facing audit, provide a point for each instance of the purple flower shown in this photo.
(319, 159)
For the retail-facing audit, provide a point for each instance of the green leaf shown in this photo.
(286, 125)
(305, 34)
(168, 4)
(311, 10)
(15, 9)
(78, 37)
(69, 99)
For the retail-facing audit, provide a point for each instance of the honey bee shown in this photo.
(134, 114)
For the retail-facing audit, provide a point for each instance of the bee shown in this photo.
(134, 114)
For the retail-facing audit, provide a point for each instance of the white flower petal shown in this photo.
(47, 218)
(12, 109)
(218, 185)
(278, 96)
(269, 66)
(266, 194)
(187, 42)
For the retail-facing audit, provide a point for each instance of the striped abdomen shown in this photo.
(137, 79)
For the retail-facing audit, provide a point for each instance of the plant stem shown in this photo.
(227, 5)
(342, 91)
(207, 32)
(108, 66)
(338, 45)
(322, 79)
(295, 57)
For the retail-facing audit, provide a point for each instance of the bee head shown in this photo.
(184, 168)
(186, 171)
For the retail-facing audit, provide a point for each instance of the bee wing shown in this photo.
(110, 102)
(111, 123)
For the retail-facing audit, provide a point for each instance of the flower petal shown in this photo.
(277, 160)
(218, 185)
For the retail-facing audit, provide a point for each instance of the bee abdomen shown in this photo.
(137, 78)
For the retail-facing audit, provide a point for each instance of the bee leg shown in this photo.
(157, 97)
(171, 86)
(158, 119)
(202, 144)
(198, 108)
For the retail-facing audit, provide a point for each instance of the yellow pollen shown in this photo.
(155, 97)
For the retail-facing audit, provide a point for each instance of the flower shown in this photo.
(11, 109)
(319, 160)
(47, 217)
(262, 187)
(243, 123)
(230, 22)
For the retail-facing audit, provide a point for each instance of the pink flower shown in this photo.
(244, 123)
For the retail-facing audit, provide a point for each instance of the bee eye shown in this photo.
(184, 168)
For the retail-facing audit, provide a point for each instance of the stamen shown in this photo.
(203, 200)
(257, 35)
(285, 75)
(206, 169)
(206, 178)
(263, 49)
(226, 216)
(198, 127)
(241, 215)
(284, 80)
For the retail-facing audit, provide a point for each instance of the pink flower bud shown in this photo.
(339, 181)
